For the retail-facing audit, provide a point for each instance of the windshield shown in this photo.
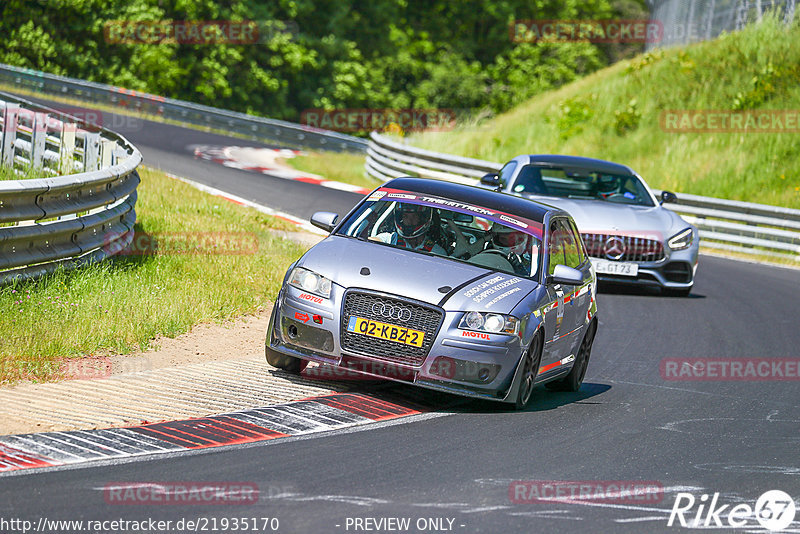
(417, 226)
(581, 184)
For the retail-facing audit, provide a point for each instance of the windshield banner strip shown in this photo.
(520, 223)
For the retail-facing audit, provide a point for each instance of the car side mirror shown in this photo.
(325, 220)
(491, 179)
(566, 275)
(668, 196)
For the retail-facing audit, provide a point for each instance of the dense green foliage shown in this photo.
(342, 53)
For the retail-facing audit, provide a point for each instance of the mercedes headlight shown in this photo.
(681, 240)
(494, 323)
(310, 281)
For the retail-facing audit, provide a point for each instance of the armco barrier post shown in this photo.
(9, 133)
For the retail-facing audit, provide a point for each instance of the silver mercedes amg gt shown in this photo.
(629, 235)
(445, 286)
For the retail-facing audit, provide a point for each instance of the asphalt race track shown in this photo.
(451, 470)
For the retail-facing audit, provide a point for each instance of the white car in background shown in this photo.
(629, 235)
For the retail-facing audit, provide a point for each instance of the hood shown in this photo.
(597, 216)
(415, 275)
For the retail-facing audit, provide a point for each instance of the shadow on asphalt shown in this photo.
(434, 401)
(611, 288)
(542, 400)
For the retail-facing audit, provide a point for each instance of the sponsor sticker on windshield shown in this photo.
(528, 226)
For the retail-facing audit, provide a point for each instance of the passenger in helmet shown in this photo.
(515, 246)
(508, 240)
(413, 229)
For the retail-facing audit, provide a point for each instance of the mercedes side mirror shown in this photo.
(492, 179)
(325, 220)
(668, 196)
(566, 275)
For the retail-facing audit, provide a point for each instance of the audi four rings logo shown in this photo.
(399, 313)
(614, 248)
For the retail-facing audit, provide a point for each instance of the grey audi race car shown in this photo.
(445, 286)
(629, 235)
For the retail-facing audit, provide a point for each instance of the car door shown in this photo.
(554, 340)
(575, 297)
(585, 294)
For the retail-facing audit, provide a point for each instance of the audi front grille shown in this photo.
(637, 249)
(379, 308)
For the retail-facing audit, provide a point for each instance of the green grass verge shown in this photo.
(615, 113)
(7, 173)
(347, 167)
(121, 305)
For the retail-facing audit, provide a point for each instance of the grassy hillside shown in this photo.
(614, 114)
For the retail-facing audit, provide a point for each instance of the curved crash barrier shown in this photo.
(81, 211)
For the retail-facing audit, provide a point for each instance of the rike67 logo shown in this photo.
(774, 510)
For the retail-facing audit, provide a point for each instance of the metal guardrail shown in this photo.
(64, 220)
(729, 225)
(286, 134)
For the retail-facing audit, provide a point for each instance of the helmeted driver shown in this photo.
(412, 224)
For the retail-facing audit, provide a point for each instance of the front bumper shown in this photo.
(459, 362)
(676, 271)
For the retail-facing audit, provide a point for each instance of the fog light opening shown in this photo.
(292, 331)
(483, 374)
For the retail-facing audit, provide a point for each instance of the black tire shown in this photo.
(290, 364)
(574, 379)
(530, 368)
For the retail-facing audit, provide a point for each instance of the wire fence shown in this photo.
(690, 21)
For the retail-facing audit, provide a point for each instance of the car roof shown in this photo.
(487, 198)
(580, 162)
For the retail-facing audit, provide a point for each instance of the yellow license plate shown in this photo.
(389, 332)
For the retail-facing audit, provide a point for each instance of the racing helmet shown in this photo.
(508, 240)
(412, 220)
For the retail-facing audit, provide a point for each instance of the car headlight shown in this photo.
(494, 323)
(310, 281)
(681, 240)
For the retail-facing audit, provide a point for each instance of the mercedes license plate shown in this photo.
(615, 267)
